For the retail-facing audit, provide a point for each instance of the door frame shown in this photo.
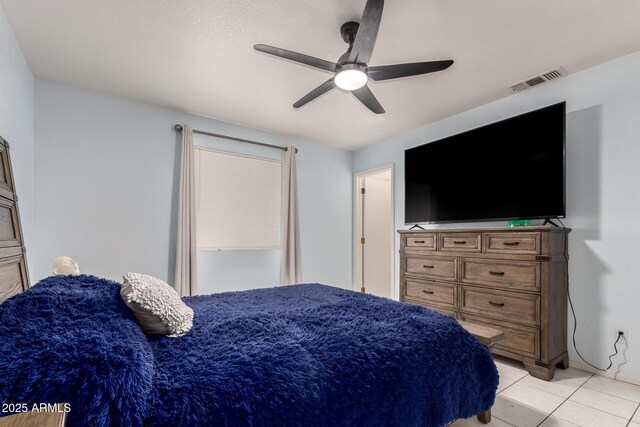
(356, 241)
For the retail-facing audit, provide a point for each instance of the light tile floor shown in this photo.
(573, 398)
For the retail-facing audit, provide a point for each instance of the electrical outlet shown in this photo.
(625, 336)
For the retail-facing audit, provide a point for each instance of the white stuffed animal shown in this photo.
(65, 266)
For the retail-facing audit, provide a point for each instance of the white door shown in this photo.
(374, 232)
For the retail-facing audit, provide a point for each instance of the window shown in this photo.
(237, 200)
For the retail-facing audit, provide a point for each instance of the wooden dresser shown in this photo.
(513, 279)
(13, 265)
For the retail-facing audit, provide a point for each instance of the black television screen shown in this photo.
(512, 169)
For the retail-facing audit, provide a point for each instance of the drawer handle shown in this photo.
(427, 292)
(511, 243)
(418, 241)
(459, 242)
(428, 266)
(497, 273)
(496, 304)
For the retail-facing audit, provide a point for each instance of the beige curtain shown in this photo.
(186, 276)
(290, 267)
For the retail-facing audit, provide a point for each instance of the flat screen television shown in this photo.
(511, 169)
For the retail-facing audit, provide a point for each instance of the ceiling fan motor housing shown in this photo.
(351, 66)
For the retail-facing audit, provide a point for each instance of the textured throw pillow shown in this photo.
(156, 305)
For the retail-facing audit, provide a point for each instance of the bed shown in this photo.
(302, 355)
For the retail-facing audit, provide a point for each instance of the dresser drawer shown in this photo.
(512, 243)
(441, 310)
(444, 311)
(522, 340)
(426, 241)
(459, 242)
(9, 223)
(13, 271)
(510, 306)
(524, 275)
(432, 267)
(431, 292)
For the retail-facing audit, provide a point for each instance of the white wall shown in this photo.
(106, 192)
(603, 201)
(16, 122)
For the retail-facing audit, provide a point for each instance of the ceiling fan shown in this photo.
(351, 71)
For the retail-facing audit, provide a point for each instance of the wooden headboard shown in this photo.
(14, 276)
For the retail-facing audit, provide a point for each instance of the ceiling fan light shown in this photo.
(351, 79)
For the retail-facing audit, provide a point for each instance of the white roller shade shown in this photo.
(237, 201)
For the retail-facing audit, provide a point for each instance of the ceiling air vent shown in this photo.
(519, 87)
(542, 78)
(535, 81)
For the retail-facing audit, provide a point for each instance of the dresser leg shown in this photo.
(485, 416)
(540, 372)
(564, 364)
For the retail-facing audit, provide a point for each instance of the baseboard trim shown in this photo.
(578, 364)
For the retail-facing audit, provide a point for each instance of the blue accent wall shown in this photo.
(107, 193)
(17, 123)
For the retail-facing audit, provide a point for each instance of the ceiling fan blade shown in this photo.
(297, 57)
(365, 96)
(386, 72)
(320, 90)
(367, 32)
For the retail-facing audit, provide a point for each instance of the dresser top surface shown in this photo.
(544, 228)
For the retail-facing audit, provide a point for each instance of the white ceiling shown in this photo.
(197, 55)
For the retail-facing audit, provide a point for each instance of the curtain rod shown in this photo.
(179, 128)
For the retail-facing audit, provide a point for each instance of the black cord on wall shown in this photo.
(573, 312)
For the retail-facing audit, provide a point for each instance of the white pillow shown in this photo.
(156, 305)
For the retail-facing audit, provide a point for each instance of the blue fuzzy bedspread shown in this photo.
(304, 355)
